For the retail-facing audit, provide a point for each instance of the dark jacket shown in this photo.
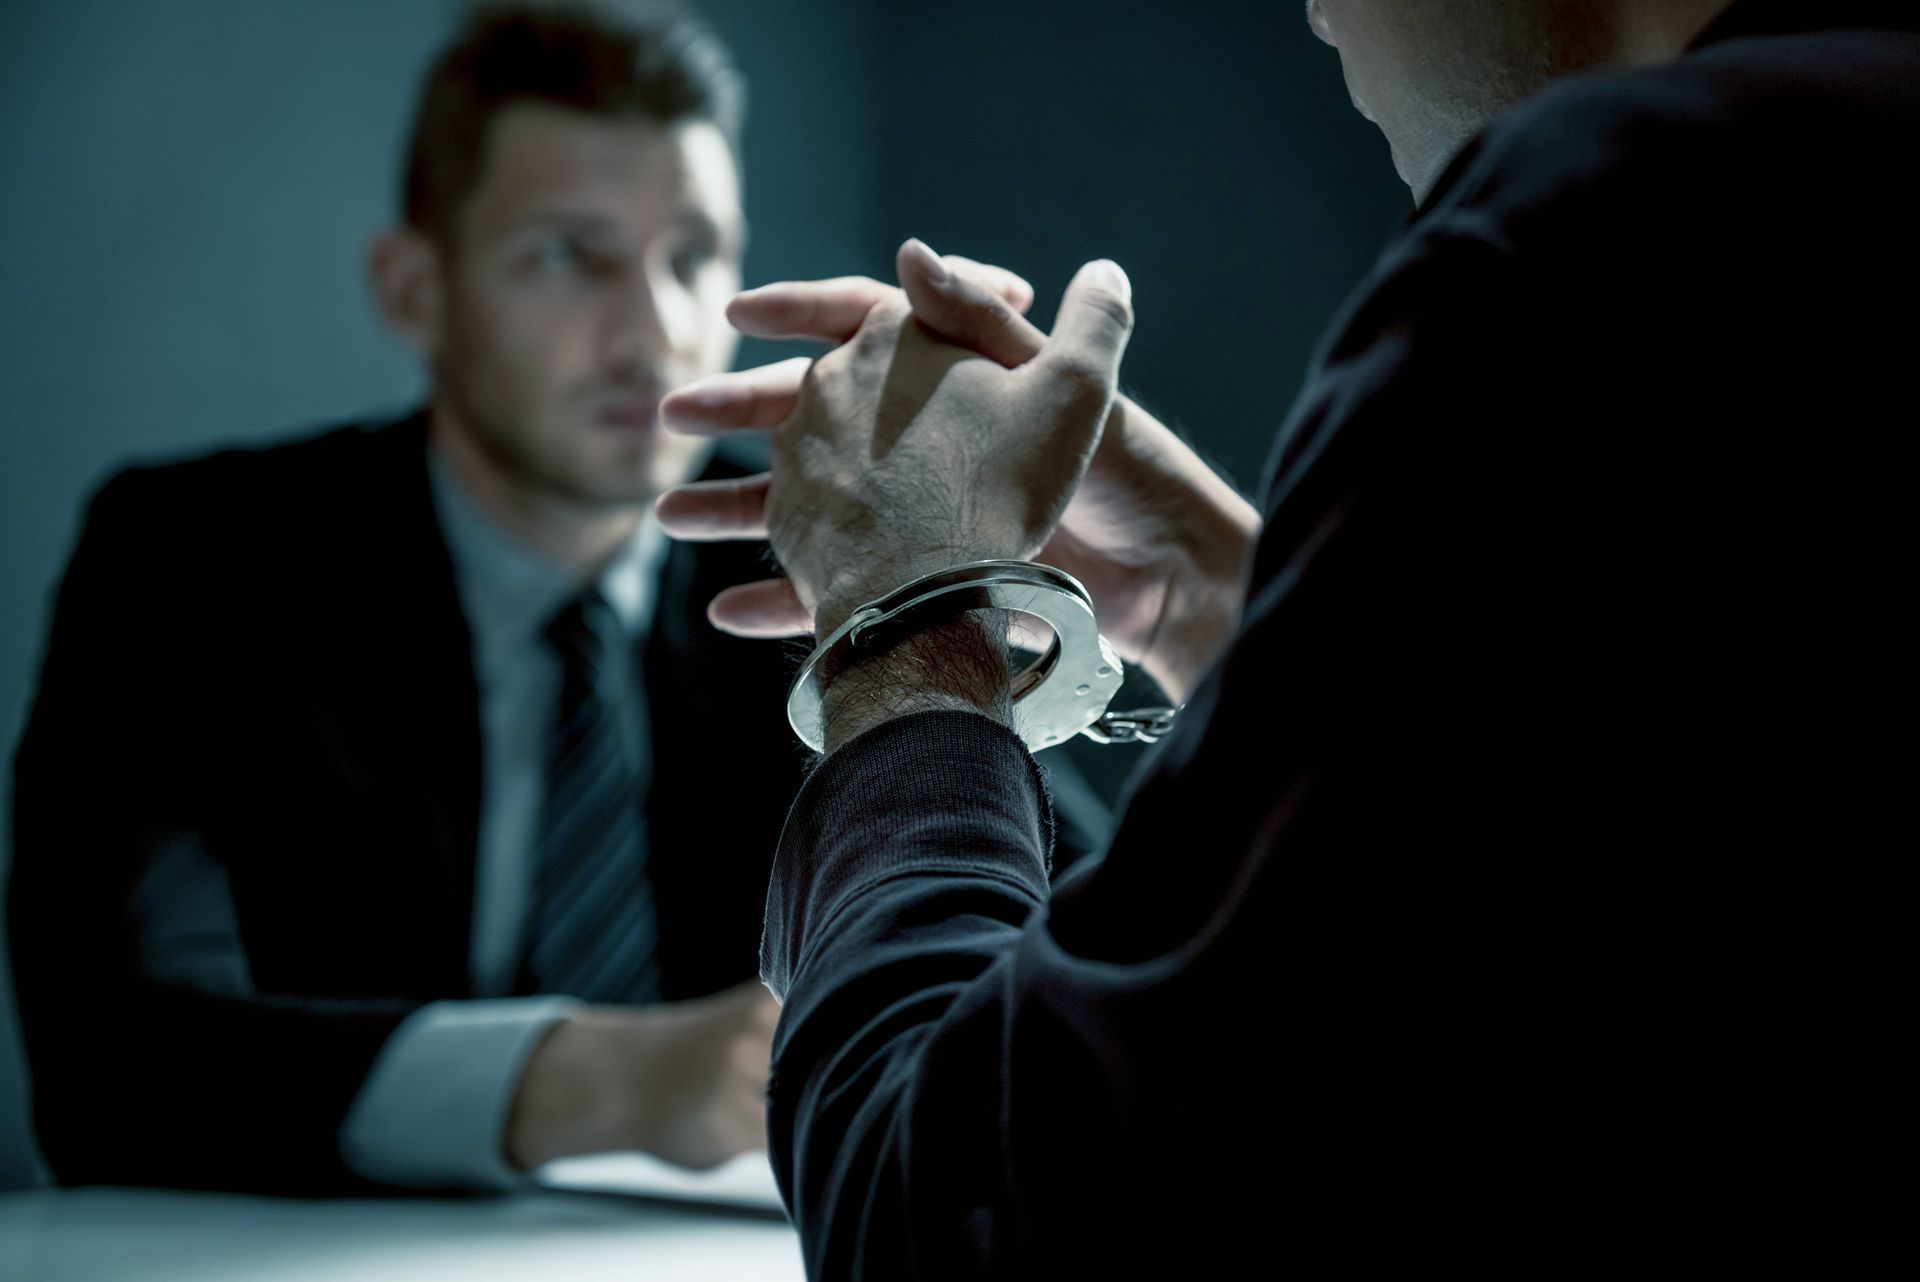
(1511, 894)
(263, 652)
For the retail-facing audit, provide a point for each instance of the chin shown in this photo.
(616, 496)
(1403, 167)
(625, 469)
(600, 478)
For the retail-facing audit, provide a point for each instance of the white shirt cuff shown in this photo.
(433, 1110)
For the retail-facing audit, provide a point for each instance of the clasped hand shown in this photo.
(946, 428)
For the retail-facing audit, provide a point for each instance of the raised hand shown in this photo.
(1158, 538)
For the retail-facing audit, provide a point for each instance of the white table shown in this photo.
(146, 1235)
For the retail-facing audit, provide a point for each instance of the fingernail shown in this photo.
(936, 269)
(1109, 274)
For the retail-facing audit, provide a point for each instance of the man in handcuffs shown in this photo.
(1415, 940)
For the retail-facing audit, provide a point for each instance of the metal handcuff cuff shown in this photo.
(1064, 693)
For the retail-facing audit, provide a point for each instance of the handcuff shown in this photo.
(1064, 693)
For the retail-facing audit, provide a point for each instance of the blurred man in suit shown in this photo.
(361, 819)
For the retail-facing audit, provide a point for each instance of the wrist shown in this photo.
(960, 664)
(570, 1099)
(848, 591)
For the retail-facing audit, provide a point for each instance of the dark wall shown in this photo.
(1209, 148)
(190, 185)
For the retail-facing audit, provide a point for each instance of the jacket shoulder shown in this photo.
(274, 483)
(1757, 128)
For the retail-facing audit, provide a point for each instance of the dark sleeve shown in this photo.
(909, 863)
(974, 1079)
(1504, 886)
(138, 1078)
(958, 1090)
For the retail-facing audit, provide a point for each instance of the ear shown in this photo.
(403, 267)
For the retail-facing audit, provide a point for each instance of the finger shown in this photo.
(825, 309)
(1096, 317)
(749, 400)
(1013, 288)
(961, 310)
(705, 511)
(833, 310)
(768, 608)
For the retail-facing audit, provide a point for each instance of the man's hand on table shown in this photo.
(685, 1081)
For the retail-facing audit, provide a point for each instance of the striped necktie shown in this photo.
(591, 925)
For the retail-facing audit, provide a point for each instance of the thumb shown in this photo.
(768, 608)
(1096, 317)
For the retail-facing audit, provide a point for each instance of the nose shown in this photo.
(1317, 19)
(652, 322)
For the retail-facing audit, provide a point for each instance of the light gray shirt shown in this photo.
(432, 1111)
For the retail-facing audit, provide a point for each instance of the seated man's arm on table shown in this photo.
(154, 1058)
(433, 1110)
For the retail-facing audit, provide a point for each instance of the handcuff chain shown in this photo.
(1139, 725)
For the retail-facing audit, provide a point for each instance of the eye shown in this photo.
(689, 260)
(566, 255)
(556, 253)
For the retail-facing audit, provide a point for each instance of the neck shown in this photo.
(1649, 31)
(1622, 33)
(576, 536)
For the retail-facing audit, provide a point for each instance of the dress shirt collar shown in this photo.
(510, 592)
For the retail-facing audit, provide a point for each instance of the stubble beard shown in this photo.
(539, 464)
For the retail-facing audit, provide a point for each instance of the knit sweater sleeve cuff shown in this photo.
(941, 791)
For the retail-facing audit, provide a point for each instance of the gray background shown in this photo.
(190, 185)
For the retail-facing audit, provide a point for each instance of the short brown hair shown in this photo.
(622, 58)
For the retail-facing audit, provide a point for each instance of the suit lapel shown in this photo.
(404, 708)
(725, 765)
